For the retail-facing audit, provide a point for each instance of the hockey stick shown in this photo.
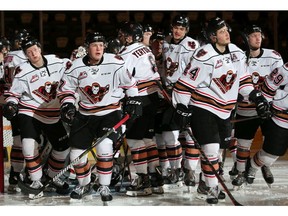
(234, 201)
(27, 189)
(244, 119)
(163, 91)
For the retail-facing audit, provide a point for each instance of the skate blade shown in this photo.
(201, 196)
(105, 203)
(237, 188)
(172, 186)
(269, 185)
(36, 196)
(232, 177)
(12, 189)
(157, 190)
(145, 192)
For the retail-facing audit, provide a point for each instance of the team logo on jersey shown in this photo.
(95, 92)
(171, 66)
(219, 63)
(94, 70)
(47, 92)
(257, 80)
(192, 44)
(82, 75)
(171, 48)
(226, 81)
(34, 78)
(43, 73)
(253, 63)
(234, 57)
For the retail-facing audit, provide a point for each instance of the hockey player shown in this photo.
(275, 88)
(261, 62)
(141, 61)
(32, 98)
(208, 90)
(4, 49)
(177, 51)
(11, 61)
(100, 80)
(147, 33)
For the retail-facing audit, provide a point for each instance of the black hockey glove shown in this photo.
(262, 105)
(67, 112)
(183, 115)
(10, 109)
(133, 107)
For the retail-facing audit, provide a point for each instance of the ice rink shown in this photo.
(257, 194)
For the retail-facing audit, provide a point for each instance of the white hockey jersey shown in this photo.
(34, 89)
(100, 87)
(140, 61)
(259, 67)
(276, 95)
(212, 80)
(12, 60)
(177, 56)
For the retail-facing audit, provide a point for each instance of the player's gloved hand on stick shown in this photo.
(262, 105)
(10, 109)
(67, 112)
(183, 115)
(133, 107)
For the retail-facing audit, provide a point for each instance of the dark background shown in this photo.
(60, 32)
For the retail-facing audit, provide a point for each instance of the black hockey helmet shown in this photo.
(4, 43)
(158, 35)
(180, 20)
(213, 26)
(113, 46)
(28, 42)
(251, 29)
(133, 29)
(20, 36)
(92, 37)
(148, 28)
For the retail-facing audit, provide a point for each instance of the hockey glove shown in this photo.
(262, 105)
(133, 107)
(183, 115)
(10, 109)
(67, 112)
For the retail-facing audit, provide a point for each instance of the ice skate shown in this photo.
(80, 191)
(13, 182)
(203, 190)
(156, 183)
(36, 184)
(233, 172)
(140, 186)
(267, 175)
(172, 180)
(58, 185)
(239, 181)
(213, 195)
(105, 194)
(189, 179)
(250, 172)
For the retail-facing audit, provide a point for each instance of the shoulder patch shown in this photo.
(192, 44)
(201, 53)
(276, 53)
